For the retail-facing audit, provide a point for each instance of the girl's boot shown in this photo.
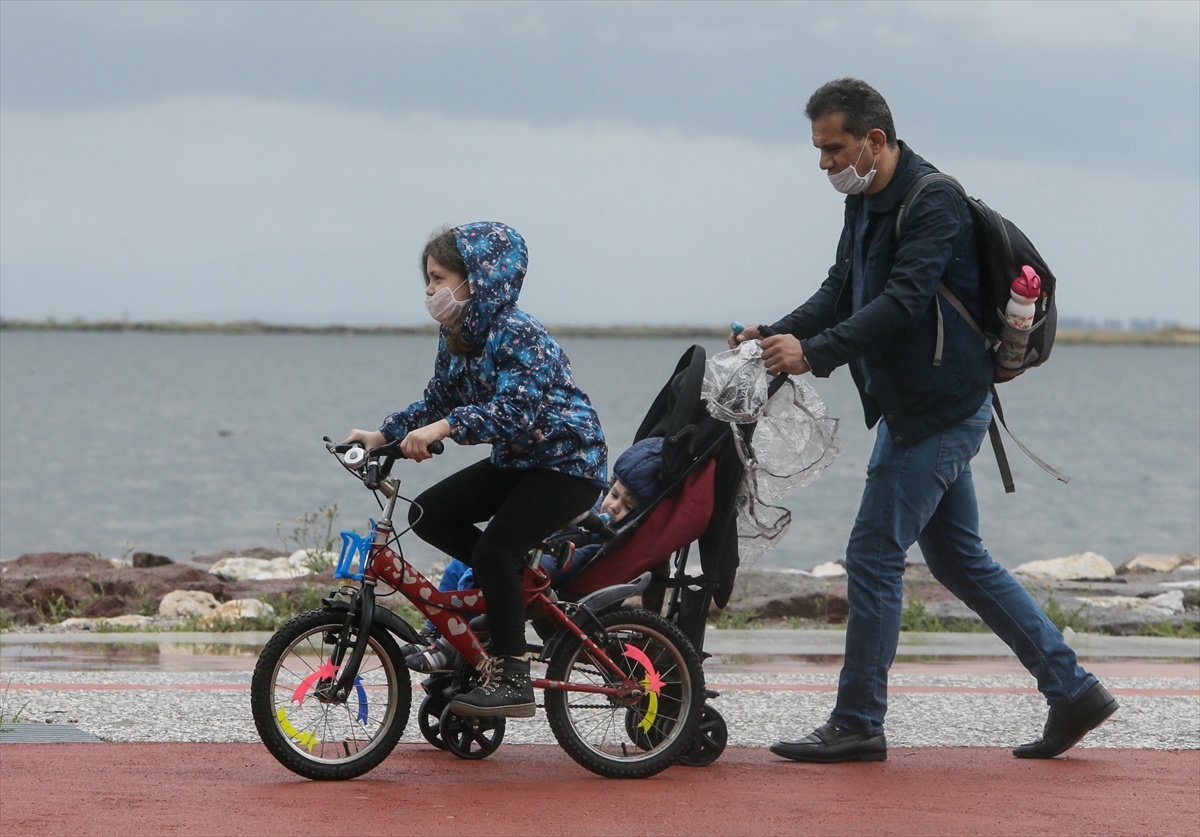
(505, 689)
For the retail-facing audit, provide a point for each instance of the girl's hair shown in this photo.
(444, 248)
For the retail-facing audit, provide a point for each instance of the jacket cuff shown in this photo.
(821, 368)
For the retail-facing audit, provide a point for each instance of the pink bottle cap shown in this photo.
(1028, 284)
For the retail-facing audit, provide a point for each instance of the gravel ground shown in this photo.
(756, 717)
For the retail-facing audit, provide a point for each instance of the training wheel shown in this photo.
(468, 737)
(711, 738)
(429, 719)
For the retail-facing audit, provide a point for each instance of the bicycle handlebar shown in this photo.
(358, 459)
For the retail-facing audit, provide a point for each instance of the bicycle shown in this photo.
(331, 696)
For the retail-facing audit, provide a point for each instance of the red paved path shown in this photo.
(236, 789)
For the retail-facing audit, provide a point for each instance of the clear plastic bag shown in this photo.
(793, 439)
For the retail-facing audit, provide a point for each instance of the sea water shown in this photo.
(184, 444)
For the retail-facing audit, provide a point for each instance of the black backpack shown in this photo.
(1003, 250)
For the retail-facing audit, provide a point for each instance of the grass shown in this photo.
(6, 717)
(1075, 619)
(314, 535)
(1185, 630)
(915, 618)
(736, 620)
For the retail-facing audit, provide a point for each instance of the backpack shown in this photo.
(1003, 249)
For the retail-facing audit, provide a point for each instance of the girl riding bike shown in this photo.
(499, 379)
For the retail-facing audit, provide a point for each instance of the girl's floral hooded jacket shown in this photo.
(515, 391)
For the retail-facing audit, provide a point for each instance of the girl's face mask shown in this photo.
(443, 307)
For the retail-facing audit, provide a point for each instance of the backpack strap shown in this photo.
(997, 410)
(955, 302)
(1002, 459)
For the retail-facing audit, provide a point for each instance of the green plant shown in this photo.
(104, 626)
(315, 535)
(915, 618)
(56, 608)
(5, 717)
(736, 619)
(1075, 619)
(1184, 630)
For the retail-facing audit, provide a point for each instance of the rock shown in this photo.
(132, 620)
(35, 562)
(145, 560)
(1172, 601)
(829, 569)
(1158, 563)
(824, 606)
(951, 611)
(187, 603)
(107, 606)
(126, 621)
(1143, 607)
(238, 609)
(262, 569)
(1086, 565)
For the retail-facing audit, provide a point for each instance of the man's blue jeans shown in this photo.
(924, 494)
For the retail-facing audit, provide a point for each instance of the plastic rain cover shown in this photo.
(794, 440)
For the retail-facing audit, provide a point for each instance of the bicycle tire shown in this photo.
(319, 738)
(594, 730)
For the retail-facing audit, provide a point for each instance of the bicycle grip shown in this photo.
(371, 478)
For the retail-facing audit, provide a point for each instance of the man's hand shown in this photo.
(416, 443)
(782, 353)
(748, 333)
(367, 438)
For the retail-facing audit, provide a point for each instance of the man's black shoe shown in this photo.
(831, 743)
(1066, 725)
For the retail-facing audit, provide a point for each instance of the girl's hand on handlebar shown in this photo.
(416, 444)
(367, 438)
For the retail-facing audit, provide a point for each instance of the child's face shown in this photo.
(618, 502)
(441, 276)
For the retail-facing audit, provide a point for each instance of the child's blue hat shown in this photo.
(639, 468)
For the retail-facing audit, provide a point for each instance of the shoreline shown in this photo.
(1175, 336)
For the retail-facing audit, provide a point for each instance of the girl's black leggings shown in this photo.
(524, 508)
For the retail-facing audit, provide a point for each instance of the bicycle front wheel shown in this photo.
(309, 731)
(628, 739)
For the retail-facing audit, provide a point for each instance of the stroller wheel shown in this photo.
(709, 742)
(470, 737)
(429, 718)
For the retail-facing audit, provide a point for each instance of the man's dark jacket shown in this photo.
(895, 331)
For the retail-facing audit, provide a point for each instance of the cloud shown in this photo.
(1057, 24)
(234, 207)
(222, 207)
(1011, 80)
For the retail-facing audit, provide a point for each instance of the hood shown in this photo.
(639, 468)
(496, 261)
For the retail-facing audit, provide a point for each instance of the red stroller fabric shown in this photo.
(672, 525)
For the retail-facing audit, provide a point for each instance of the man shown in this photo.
(875, 313)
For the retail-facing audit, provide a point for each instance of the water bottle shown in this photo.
(1018, 318)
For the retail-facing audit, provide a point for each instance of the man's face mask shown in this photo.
(848, 181)
(443, 307)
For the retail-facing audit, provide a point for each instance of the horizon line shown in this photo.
(1168, 335)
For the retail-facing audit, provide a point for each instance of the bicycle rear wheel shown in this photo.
(623, 739)
(308, 731)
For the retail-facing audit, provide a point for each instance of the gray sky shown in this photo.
(285, 161)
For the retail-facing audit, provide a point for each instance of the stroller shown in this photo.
(701, 473)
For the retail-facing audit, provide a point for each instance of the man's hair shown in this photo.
(860, 104)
